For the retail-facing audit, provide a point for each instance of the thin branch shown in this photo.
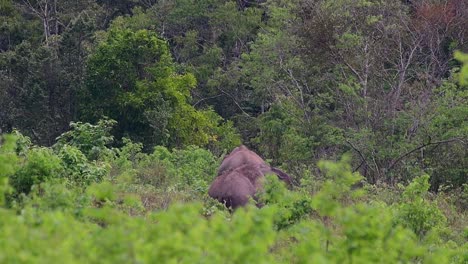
(363, 159)
(32, 9)
(357, 168)
(234, 100)
(421, 147)
(206, 98)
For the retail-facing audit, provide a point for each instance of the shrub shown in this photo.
(39, 165)
(78, 170)
(91, 219)
(192, 166)
(292, 206)
(8, 163)
(416, 212)
(91, 140)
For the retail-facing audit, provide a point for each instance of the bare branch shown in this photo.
(363, 159)
(421, 147)
(206, 98)
(234, 100)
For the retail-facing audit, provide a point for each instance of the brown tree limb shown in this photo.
(421, 147)
(206, 98)
(235, 101)
(363, 159)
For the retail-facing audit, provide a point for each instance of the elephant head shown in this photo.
(240, 177)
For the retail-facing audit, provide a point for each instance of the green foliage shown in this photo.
(40, 165)
(418, 141)
(54, 196)
(463, 58)
(78, 169)
(129, 72)
(23, 143)
(84, 221)
(91, 140)
(56, 229)
(33, 168)
(102, 192)
(132, 79)
(291, 139)
(252, 228)
(225, 138)
(337, 189)
(192, 166)
(291, 206)
(416, 212)
(371, 237)
(235, 27)
(301, 81)
(448, 124)
(15, 28)
(297, 73)
(8, 163)
(29, 108)
(176, 238)
(353, 231)
(350, 231)
(164, 176)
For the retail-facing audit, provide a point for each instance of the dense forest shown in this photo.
(115, 116)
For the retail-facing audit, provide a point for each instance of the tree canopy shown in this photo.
(296, 80)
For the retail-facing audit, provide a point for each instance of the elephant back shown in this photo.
(239, 157)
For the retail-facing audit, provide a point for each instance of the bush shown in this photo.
(91, 140)
(416, 212)
(192, 166)
(78, 170)
(86, 217)
(292, 206)
(8, 163)
(40, 164)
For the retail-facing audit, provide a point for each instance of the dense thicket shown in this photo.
(119, 108)
(301, 80)
(72, 203)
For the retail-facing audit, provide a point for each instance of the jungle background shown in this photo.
(115, 115)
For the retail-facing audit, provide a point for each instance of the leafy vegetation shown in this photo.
(147, 207)
(115, 115)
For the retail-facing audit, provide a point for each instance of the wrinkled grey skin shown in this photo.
(240, 177)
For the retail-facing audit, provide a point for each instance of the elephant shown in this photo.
(238, 157)
(240, 177)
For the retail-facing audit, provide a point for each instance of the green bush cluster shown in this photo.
(130, 206)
